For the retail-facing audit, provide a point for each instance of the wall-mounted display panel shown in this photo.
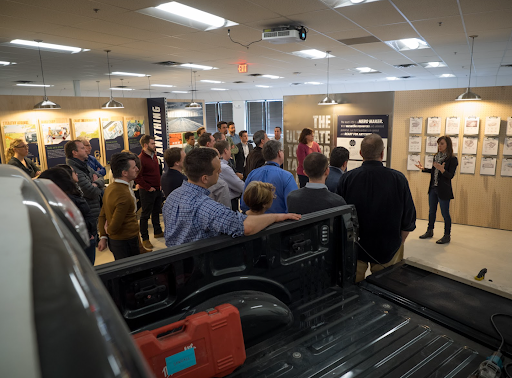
(429, 161)
(468, 164)
(471, 126)
(452, 126)
(415, 125)
(488, 166)
(492, 126)
(113, 136)
(507, 146)
(490, 146)
(431, 144)
(56, 133)
(469, 145)
(434, 126)
(506, 167)
(27, 131)
(455, 144)
(89, 128)
(412, 161)
(414, 143)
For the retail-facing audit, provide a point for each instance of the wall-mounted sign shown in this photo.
(26, 131)
(89, 128)
(242, 68)
(135, 128)
(56, 133)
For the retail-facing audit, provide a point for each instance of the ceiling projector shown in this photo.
(284, 34)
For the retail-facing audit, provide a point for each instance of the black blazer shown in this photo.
(444, 185)
(240, 157)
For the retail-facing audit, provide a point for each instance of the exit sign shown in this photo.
(242, 68)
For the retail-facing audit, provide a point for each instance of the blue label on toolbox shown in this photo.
(180, 361)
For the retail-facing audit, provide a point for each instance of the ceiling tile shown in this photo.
(88, 35)
(475, 6)
(422, 10)
(290, 7)
(372, 14)
(324, 21)
(488, 20)
(393, 31)
(430, 28)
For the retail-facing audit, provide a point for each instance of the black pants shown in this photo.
(151, 204)
(124, 248)
(303, 180)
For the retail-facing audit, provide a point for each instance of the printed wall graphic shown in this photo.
(176, 139)
(452, 126)
(412, 160)
(25, 130)
(490, 146)
(414, 143)
(415, 125)
(468, 164)
(353, 164)
(431, 144)
(135, 128)
(429, 161)
(469, 145)
(90, 129)
(158, 125)
(488, 166)
(507, 146)
(434, 126)
(509, 126)
(56, 133)
(506, 167)
(471, 126)
(455, 144)
(113, 135)
(181, 119)
(492, 126)
(353, 128)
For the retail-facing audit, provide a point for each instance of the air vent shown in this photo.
(168, 63)
(359, 41)
(404, 65)
(121, 86)
(506, 65)
(255, 75)
(23, 81)
(239, 82)
(370, 73)
(405, 77)
(295, 83)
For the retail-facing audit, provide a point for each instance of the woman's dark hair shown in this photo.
(449, 145)
(67, 168)
(62, 179)
(304, 133)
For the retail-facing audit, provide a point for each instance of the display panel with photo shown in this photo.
(507, 146)
(56, 133)
(471, 126)
(414, 143)
(135, 129)
(488, 166)
(412, 160)
(469, 145)
(452, 126)
(434, 126)
(415, 125)
(490, 146)
(492, 126)
(113, 134)
(506, 167)
(431, 144)
(468, 164)
(89, 128)
(26, 131)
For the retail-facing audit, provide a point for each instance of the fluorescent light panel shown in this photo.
(180, 92)
(34, 85)
(3, 63)
(122, 89)
(408, 44)
(273, 77)
(198, 66)
(117, 73)
(212, 81)
(263, 86)
(313, 83)
(163, 85)
(219, 89)
(312, 54)
(432, 64)
(47, 46)
(346, 3)
(447, 75)
(365, 69)
(392, 78)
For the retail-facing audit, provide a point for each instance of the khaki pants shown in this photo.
(362, 266)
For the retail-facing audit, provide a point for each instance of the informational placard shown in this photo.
(490, 146)
(434, 125)
(135, 128)
(412, 160)
(414, 143)
(469, 145)
(455, 144)
(452, 126)
(26, 131)
(468, 164)
(509, 126)
(351, 130)
(429, 161)
(471, 126)
(506, 167)
(89, 128)
(176, 140)
(431, 145)
(113, 132)
(353, 164)
(56, 133)
(415, 125)
(492, 126)
(507, 146)
(488, 166)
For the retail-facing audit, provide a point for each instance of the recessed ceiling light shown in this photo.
(408, 44)
(212, 81)
(263, 86)
(163, 85)
(187, 16)
(122, 89)
(273, 77)
(433, 64)
(219, 89)
(46, 46)
(180, 92)
(356, 1)
(34, 85)
(313, 83)
(447, 75)
(198, 66)
(2, 63)
(365, 69)
(127, 74)
(312, 54)
(392, 78)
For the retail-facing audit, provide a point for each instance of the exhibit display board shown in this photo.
(90, 128)
(134, 129)
(56, 133)
(113, 136)
(27, 131)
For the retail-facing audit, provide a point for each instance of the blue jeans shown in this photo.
(433, 199)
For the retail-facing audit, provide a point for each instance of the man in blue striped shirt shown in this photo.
(190, 215)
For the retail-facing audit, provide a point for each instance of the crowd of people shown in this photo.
(223, 184)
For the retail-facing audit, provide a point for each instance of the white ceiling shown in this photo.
(137, 41)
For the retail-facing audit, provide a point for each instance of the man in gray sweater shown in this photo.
(314, 196)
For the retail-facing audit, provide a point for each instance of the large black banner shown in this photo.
(351, 130)
(158, 125)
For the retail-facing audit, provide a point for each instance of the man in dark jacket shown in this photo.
(149, 181)
(244, 149)
(255, 158)
(91, 184)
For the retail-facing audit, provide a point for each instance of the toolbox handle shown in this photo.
(179, 326)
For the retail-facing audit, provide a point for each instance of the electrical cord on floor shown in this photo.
(365, 251)
(505, 368)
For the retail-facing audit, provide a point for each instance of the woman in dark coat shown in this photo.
(440, 187)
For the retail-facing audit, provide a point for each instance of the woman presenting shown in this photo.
(440, 188)
(306, 146)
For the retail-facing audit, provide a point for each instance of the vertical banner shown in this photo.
(135, 128)
(90, 129)
(113, 132)
(353, 128)
(55, 133)
(157, 125)
(25, 130)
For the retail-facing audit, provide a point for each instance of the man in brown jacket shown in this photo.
(118, 210)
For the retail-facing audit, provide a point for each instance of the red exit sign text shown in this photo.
(242, 68)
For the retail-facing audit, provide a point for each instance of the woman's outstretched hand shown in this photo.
(419, 166)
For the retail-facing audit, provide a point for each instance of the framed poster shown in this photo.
(471, 126)
(507, 146)
(488, 166)
(434, 126)
(353, 164)
(468, 164)
(135, 129)
(429, 161)
(452, 126)
(113, 136)
(415, 125)
(89, 128)
(509, 126)
(414, 143)
(492, 126)
(412, 160)
(25, 130)
(506, 167)
(56, 133)
(469, 145)
(431, 145)
(490, 146)
(455, 144)
(351, 129)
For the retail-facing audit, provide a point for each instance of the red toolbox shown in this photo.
(204, 345)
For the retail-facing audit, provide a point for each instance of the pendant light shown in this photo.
(193, 104)
(468, 95)
(327, 100)
(45, 104)
(111, 104)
